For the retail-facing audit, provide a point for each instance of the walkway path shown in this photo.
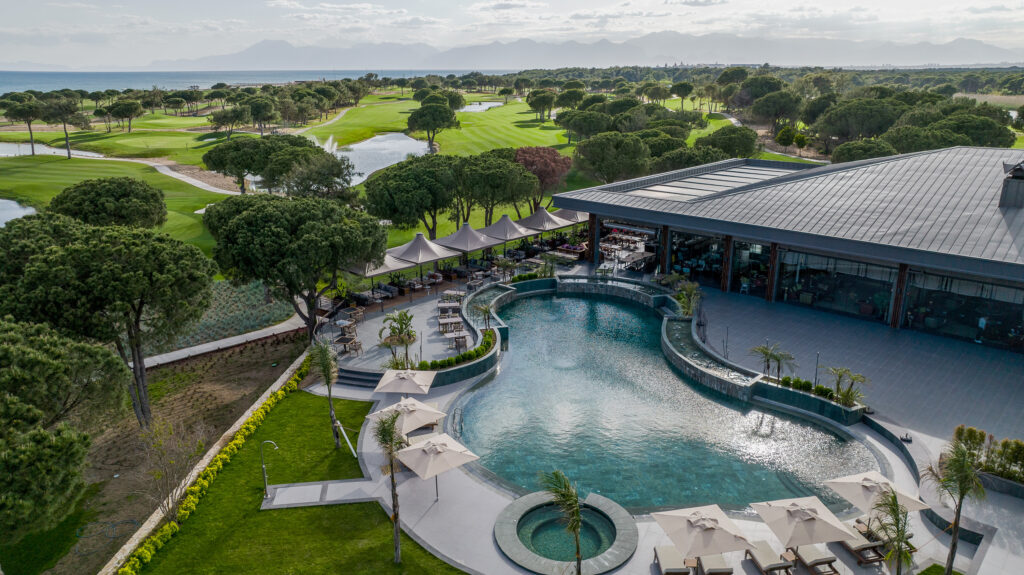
(291, 324)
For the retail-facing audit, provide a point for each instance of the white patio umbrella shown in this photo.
(543, 221)
(467, 240)
(412, 414)
(506, 230)
(434, 456)
(421, 251)
(390, 264)
(405, 381)
(699, 531)
(571, 215)
(802, 521)
(863, 490)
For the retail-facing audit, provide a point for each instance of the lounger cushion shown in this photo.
(714, 565)
(812, 555)
(766, 558)
(859, 543)
(670, 560)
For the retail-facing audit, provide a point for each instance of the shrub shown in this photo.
(803, 385)
(524, 277)
(823, 391)
(433, 364)
(786, 381)
(1003, 458)
(424, 365)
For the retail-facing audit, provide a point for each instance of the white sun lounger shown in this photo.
(816, 559)
(670, 560)
(713, 565)
(865, 551)
(767, 560)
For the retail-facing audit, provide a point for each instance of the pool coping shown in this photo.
(506, 535)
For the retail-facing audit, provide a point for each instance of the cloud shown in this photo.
(503, 5)
(988, 9)
(79, 5)
(694, 3)
(360, 8)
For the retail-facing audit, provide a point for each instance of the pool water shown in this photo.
(585, 388)
(543, 532)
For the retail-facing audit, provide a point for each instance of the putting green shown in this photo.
(36, 180)
(181, 147)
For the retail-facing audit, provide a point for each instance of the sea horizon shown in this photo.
(20, 80)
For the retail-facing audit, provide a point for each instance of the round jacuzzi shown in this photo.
(530, 531)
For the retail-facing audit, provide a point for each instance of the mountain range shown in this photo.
(657, 48)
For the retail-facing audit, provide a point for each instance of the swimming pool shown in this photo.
(585, 388)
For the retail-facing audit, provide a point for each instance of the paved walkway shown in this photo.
(167, 171)
(291, 324)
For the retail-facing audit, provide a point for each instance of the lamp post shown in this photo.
(263, 464)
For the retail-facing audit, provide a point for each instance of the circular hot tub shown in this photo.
(531, 533)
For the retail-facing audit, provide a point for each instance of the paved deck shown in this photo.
(430, 343)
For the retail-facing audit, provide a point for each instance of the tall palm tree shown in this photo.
(783, 359)
(568, 502)
(399, 327)
(321, 359)
(957, 477)
(893, 523)
(385, 432)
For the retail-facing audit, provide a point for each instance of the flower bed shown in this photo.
(143, 554)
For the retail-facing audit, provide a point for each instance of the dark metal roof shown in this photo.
(934, 209)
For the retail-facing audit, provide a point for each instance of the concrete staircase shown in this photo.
(358, 377)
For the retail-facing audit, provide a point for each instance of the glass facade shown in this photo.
(750, 268)
(845, 286)
(697, 257)
(986, 313)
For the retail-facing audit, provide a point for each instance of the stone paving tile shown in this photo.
(298, 494)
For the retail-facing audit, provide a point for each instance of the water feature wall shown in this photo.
(682, 352)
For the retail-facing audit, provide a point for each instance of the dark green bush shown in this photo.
(786, 381)
(525, 277)
(826, 392)
(433, 364)
(424, 365)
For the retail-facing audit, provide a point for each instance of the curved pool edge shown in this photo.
(627, 536)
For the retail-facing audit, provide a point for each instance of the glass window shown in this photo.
(697, 257)
(844, 286)
(982, 312)
(750, 268)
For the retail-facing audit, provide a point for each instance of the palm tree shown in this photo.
(783, 359)
(893, 523)
(321, 359)
(484, 309)
(385, 432)
(767, 353)
(958, 477)
(567, 500)
(399, 327)
(849, 395)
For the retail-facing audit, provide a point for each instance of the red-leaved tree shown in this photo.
(548, 165)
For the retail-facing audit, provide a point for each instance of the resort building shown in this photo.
(930, 241)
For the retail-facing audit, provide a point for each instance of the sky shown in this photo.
(130, 33)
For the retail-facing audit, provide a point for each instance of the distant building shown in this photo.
(931, 241)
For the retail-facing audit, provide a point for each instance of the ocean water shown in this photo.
(92, 81)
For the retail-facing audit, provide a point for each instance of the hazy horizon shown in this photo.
(105, 34)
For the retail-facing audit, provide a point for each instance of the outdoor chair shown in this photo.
(816, 559)
(713, 565)
(767, 560)
(356, 347)
(865, 551)
(670, 560)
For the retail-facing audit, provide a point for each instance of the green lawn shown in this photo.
(40, 551)
(181, 147)
(715, 121)
(937, 570)
(229, 534)
(513, 125)
(782, 158)
(36, 180)
(1019, 143)
(365, 122)
(160, 121)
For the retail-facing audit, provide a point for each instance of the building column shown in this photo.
(594, 247)
(899, 291)
(726, 263)
(773, 272)
(666, 242)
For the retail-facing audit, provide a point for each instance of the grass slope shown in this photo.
(160, 121)
(229, 534)
(784, 158)
(36, 180)
(512, 125)
(181, 147)
(366, 121)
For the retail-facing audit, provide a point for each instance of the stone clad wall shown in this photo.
(695, 372)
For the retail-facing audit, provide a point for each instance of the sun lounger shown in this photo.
(767, 560)
(670, 560)
(414, 439)
(816, 559)
(863, 528)
(865, 551)
(713, 565)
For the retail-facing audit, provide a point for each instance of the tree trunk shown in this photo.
(136, 405)
(129, 125)
(955, 533)
(31, 137)
(67, 143)
(309, 317)
(334, 418)
(579, 555)
(140, 382)
(394, 510)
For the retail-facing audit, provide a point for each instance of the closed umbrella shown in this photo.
(412, 414)
(863, 490)
(700, 531)
(405, 381)
(802, 521)
(434, 456)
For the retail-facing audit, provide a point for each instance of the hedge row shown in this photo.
(525, 277)
(469, 355)
(143, 554)
(808, 386)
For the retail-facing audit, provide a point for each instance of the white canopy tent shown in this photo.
(390, 264)
(543, 221)
(467, 240)
(571, 215)
(421, 251)
(506, 230)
